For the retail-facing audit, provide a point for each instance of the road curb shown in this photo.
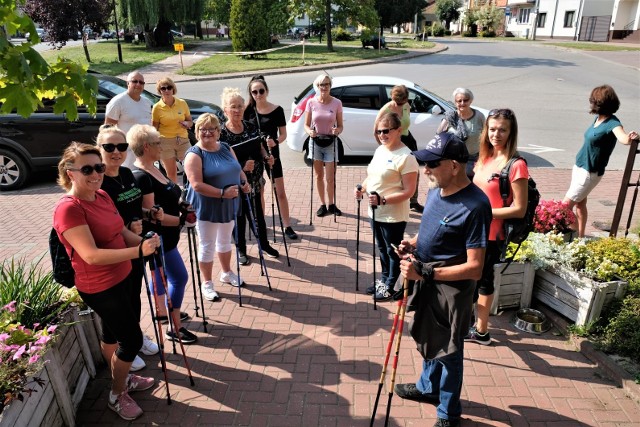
(611, 369)
(409, 55)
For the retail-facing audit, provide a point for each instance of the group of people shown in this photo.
(120, 208)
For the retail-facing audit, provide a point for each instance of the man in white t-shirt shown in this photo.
(130, 108)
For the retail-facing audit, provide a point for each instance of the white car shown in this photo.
(362, 97)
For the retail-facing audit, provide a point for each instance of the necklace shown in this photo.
(117, 179)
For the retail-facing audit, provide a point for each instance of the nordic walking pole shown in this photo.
(193, 272)
(253, 223)
(335, 172)
(373, 231)
(386, 362)
(359, 188)
(236, 209)
(191, 234)
(311, 143)
(405, 296)
(157, 325)
(274, 194)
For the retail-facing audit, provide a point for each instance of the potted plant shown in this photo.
(553, 216)
(574, 278)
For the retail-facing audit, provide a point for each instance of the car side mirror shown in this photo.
(437, 110)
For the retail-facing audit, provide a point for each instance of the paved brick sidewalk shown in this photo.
(310, 352)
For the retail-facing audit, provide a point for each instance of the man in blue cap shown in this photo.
(446, 258)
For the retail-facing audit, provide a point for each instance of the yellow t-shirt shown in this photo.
(170, 117)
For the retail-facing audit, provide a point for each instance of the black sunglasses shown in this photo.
(166, 88)
(110, 148)
(504, 112)
(384, 131)
(432, 164)
(87, 170)
(141, 82)
(258, 91)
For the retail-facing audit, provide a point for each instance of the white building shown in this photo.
(584, 20)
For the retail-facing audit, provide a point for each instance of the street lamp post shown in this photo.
(115, 18)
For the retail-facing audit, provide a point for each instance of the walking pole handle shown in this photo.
(378, 197)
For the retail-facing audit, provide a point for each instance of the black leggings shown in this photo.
(119, 320)
(245, 216)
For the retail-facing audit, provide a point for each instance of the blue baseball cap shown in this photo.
(444, 146)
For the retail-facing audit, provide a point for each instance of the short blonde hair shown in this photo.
(69, 157)
(166, 81)
(320, 79)
(138, 135)
(206, 119)
(228, 95)
(106, 130)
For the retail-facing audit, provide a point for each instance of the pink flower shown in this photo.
(11, 307)
(19, 353)
(52, 328)
(43, 340)
(34, 358)
(4, 336)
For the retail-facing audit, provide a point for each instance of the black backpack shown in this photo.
(516, 230)
(62, 270)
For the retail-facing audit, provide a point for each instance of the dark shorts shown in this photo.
(277, 169)
(491, 257)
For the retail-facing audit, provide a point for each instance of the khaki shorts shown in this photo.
(582, 182)
(174, 147)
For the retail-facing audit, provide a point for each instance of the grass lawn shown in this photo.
(593, 46)
(290, 57)
(104, 56)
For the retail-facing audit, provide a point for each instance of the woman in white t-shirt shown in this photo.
(392, 175)
(323, 123)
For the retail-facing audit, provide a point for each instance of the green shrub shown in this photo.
(437, 30)
(622, 334)
(469, 33)
(487, 33)
(248, 26)
(447, 32)
(366, 34)
(341, 35)
(623, 252)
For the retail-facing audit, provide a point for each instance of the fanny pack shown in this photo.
(323, 141)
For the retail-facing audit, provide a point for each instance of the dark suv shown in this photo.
(375, 42)
(35, 144)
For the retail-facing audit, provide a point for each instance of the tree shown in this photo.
(490, 18)
(398, 12)
(448, 11)
(248, 26)
(26, 78)
(64, 19)
(277, 16)
(218, 10)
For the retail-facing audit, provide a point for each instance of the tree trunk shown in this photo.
(327, 16)
(161, 34)
(199, 30)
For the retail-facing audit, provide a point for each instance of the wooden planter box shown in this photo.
(71, 362)
(576, 297)
(513, 288)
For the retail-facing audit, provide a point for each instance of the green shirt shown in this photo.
(599, 142)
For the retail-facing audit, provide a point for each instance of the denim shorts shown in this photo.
(322, 154)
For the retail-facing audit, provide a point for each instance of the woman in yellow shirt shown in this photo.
(171, 117)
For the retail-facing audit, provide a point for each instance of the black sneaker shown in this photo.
(186, 336)
(377, 284)
(165, 320)
(290, 233)
(441, 422)
(477, 337)
(410, 392)
(383, 294)
(416, 207)
(243, 259)
(322, 211)
(333, 209)
(270, 251)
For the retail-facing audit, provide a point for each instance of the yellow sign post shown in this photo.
(179, 47)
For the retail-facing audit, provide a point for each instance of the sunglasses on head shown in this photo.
(87, 170)
(110, 148)
(384, 131)
(258, 91)
(140, 82)
(504, 112)
(162, 88)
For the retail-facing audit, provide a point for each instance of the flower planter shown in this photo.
(573, 295)
(513, 287)
(70, 365)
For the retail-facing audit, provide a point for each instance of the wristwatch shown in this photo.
(384, 201)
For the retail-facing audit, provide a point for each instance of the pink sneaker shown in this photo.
(126, 407)
(138, 383)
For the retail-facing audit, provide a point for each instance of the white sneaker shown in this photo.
(231, 278)
(137, 364)
(149, 347)
(209, 292)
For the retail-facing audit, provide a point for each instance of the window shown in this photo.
(542, 19)
(568, 18)
(364, 97)
(420, 103)
(523, 16)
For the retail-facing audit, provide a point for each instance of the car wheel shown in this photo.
(13, 171)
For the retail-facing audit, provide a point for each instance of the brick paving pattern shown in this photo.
(310, 352)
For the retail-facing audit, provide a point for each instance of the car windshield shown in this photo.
(434, 96)
(118, 86)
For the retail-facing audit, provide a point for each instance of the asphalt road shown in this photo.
(547, 87)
